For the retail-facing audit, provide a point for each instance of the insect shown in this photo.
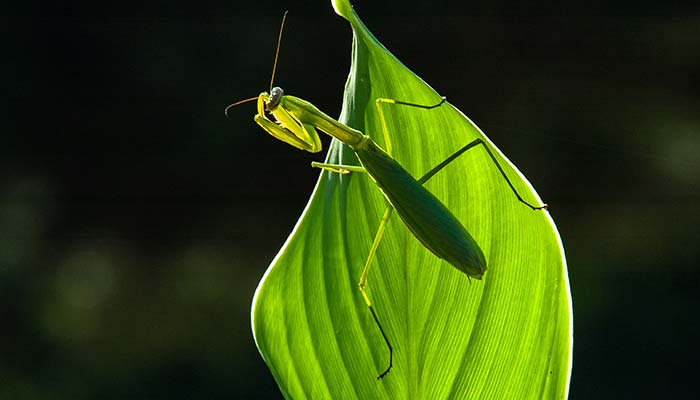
(296, 122)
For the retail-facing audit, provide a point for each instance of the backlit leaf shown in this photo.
(506, 336)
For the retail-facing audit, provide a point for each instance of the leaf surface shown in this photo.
(506, 336)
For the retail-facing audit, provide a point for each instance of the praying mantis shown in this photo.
(296, 122)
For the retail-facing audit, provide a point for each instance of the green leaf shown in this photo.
(506, 336)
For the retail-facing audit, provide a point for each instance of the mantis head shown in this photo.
(273, 99)
(268, 102)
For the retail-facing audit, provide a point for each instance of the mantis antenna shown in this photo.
(277, 52)
(274, 67)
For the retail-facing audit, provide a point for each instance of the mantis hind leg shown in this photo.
(470, 145)
(439, 167)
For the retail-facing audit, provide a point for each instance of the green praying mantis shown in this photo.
(296, 122)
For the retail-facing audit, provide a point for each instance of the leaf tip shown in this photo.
(342, 8)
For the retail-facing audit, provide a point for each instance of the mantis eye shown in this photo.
(274, 100)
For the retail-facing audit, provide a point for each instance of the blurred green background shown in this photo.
(136, 220)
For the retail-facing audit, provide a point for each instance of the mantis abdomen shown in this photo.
(424, 214)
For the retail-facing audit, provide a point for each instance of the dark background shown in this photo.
(136, 220)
